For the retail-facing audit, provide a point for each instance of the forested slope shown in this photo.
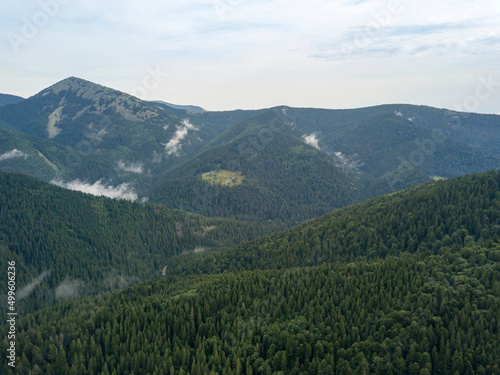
(404, 284)
(424, 218)
(74, 244)
(285, 180)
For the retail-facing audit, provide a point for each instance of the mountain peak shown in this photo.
(100, 98)
(80, 87)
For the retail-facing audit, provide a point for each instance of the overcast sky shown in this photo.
(229, 54)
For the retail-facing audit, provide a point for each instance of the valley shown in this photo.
(154, 238)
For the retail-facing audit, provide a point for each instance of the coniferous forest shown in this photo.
(275, 241)
(406, 283)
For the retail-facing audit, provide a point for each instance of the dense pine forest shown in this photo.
(76, 244)
(425, 218)
(288, 182)
(407, 283)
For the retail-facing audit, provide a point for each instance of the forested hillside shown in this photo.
(299, 163)
(74, 244)
(407, 283)
(48, 160)
(9, 99)
(424, 218)
(286, 180)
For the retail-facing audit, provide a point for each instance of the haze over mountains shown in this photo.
(297, 163)
(9, 99)
(259, 241)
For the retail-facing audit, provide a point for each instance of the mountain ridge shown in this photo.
(6, 99)
(385, 286)
(112, 138)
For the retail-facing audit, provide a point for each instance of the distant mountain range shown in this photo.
(187, 108)
(294, 163)
(9, 99)
(404, 282)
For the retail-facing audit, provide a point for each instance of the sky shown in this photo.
(247, 54)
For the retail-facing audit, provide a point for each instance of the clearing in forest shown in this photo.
(223, 177)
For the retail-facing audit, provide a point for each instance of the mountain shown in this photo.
(278, 176)
(62, 239)
(352, 155)
(9, 99)
(47, 160)
(186, 108)
(386, 141)
(403, 283)
(131, 140)
(135, 138)
(426, 219)
(295, 163)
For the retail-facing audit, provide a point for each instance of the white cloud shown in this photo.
(157, 157)
(400, 114)
(262, 53)
(312, 140)
(174, 145)
(68, 289)
(351, 162)
(15, 153)
(28, 289)
(131, 167)
(123, 191)
(114, 281)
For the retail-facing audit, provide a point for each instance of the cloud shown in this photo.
(68, 289)
(131, 167)
(116, 282)
(28, 289)
(400, 114)
(157, 157)
(312, 140)
(174, 145)
(15, 153)
(410, 30)
(350, 162)
(262, 53)
(123, 191)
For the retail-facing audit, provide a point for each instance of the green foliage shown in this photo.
(408, 313)
(425, 218)
(286, 180)
(84, 244)
(47, 160)
(365, 152)
(427, 304)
